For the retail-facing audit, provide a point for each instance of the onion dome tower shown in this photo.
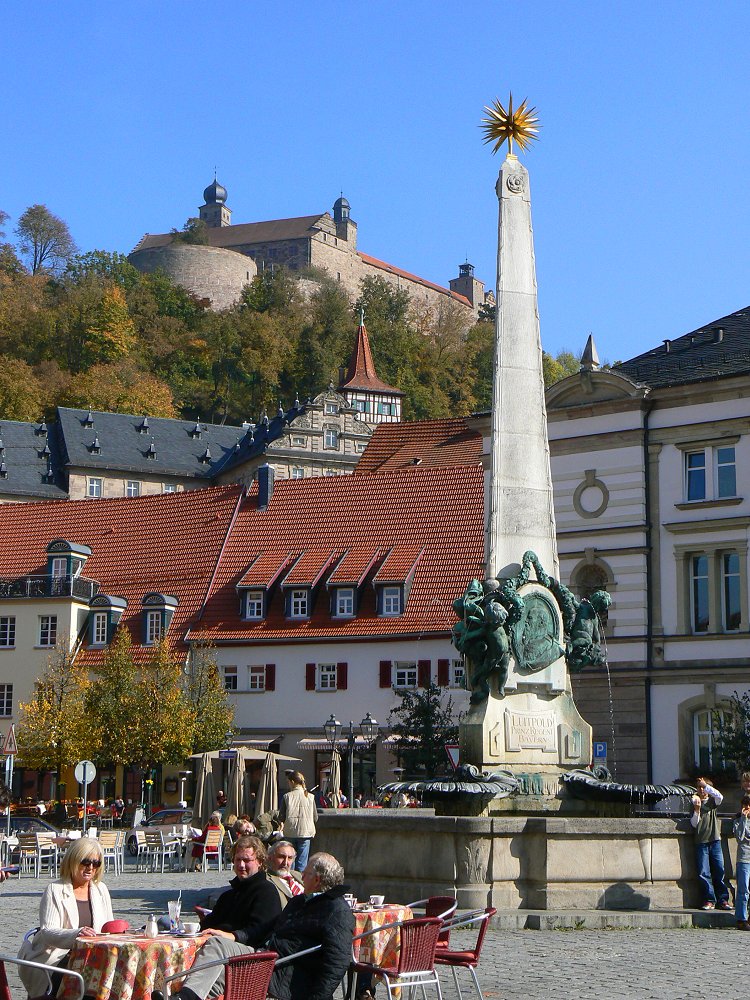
(215, 212)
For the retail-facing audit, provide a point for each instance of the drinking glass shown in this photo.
(175, 906)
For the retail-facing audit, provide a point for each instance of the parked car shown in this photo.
(176, 822)
(27, 824)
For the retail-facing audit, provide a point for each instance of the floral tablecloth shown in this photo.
(379, 949)
(127, 966)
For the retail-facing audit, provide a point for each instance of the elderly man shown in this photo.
(280, 871)
(241, 920)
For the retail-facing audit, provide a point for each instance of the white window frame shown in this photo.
(6, 701)
(297, 472)
(59, 568)
(706, 733)
(94, 487)
(715, 459)
(99, 629)
(360, 405)
(344, 602)
(326, 678)
(405, 675)
(154, 627)
(299, 441)
(726, 576)
(254, 605)
(331, 439)
(299, 603)
(169, 488)
(230, 676)
(132, 488)
(331, 409)
(7, 631)
(391, 602)
(256, 674)
(698, 579)
(47, 631)
(386, 408)
(457, 674)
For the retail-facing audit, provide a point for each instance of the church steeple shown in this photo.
(377, 401)
(215, 212)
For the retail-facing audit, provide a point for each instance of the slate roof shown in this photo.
(420, 444)
(243, 234)
(168, 543)
(361, 373)
(438, 510)
(702, 355)
(22, 452)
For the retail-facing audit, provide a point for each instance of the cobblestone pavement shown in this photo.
(516, 965)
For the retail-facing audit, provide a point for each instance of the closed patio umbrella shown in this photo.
(334, 781)
(205, 798)
(235, 796)
(267, 799)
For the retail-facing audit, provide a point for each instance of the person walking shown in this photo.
(298, 816)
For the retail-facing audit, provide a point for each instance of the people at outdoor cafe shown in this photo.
(214, 823)
(75, 906)
(280, 870)
(248, 909)
(318, 916)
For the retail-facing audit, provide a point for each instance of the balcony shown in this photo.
(25, 587)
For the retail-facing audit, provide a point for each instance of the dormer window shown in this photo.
(331, 408)
(254, 605)
(344, 601)
(390, 601)
(298, 603)
(158, 610)
(65, 561)
(99, 629)
(106, 612)
(196, 431)
(95, 447)
(143, 426)
(154, 627)
(88, 420)
(206, 456)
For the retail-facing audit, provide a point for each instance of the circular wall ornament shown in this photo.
(591, 497)
(515, 183)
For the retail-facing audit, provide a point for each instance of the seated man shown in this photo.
(321, 916)
(242, 919)
(280, 871)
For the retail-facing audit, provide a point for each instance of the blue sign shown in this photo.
(227, 754)
(600, 750)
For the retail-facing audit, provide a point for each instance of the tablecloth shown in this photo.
(380, 949)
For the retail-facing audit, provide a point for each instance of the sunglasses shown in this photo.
(90, 863)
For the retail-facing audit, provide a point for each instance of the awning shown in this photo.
(321, 743)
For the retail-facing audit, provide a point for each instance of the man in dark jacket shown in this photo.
(241, 920)
(319, 917)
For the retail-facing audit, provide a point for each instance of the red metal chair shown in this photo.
(438, 906)
(468, 959)
(416, 957)
(49, 969)
(246, 977)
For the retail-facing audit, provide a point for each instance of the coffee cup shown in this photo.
(191, 927)
(377, 900)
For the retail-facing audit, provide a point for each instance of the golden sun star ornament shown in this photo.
(516, 124)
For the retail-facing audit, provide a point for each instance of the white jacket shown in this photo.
(299, 814)
(58, 929)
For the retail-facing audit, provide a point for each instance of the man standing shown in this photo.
(240, 921)
(280, 871)
(707, 825)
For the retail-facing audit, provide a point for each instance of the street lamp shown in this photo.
(368, 730)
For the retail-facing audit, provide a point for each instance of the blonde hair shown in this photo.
(80, 850)
(297, 778)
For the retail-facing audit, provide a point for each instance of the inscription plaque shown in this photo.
(530, 731)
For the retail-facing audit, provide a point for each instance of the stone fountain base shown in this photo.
(509, 861)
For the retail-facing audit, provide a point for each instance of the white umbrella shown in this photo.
(235, 797)
(205, 799)
(267, 799)
(334, 781)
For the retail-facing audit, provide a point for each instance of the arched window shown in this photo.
(707, 723)
(588, 577)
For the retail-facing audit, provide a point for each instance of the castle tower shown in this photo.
(346, 228)
(377, 401)
(215, 212)
(468, 286)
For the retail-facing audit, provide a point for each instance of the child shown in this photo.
(710, 860)
(742, 833)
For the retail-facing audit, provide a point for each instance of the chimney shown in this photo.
(667, 346)
(265, 485)
(718, 334)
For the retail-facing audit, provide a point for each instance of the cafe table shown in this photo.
(379, 949)
(127, 966)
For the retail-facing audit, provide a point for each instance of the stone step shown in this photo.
(563, 920)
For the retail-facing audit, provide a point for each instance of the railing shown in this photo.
(49, 586)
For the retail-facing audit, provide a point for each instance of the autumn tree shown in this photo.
(165, 717)
(206, 693)
(111, 332)
(111, 704)
(44, 239)
(20, 392)
(424, 722)
(120, 388)
(53, 730)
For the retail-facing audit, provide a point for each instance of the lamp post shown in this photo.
(368, 729)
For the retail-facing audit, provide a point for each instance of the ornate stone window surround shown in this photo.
(714, 552)
(688, 712)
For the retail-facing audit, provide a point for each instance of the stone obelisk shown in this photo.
(528, 722)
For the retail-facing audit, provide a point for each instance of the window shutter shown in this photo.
(270, 677)
(385, 673)
(342, 671)
(309, 676)
(424, 672)
(443, 673)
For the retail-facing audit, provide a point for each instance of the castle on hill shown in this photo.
(325, 242)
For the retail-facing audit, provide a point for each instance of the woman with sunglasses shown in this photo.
(76, 906)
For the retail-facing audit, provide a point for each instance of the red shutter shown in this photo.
(424, 672)
(270, 677)
(309, 676)
(385, 673)
(443, 673)
(342, 670)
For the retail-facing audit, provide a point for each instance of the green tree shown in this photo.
(194, 231)
(214, 716)
(44, 239)
(732, 735)
(20, 391)
(114, 268)
(111, 334)
(53, 729)
(165, 716)
(120, 388)
(423, 722)
(112, 707)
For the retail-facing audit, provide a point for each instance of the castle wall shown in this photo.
(208, 272)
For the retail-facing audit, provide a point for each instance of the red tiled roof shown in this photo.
(265, 568)
(355, 566)
(399, 564)
(361, 373)
(432, 442)
(168, 543)
(381, 264)
(439, 510)
(309, 568)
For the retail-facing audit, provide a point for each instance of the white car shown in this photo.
(175, 822)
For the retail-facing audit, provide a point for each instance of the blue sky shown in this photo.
(115, 115)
